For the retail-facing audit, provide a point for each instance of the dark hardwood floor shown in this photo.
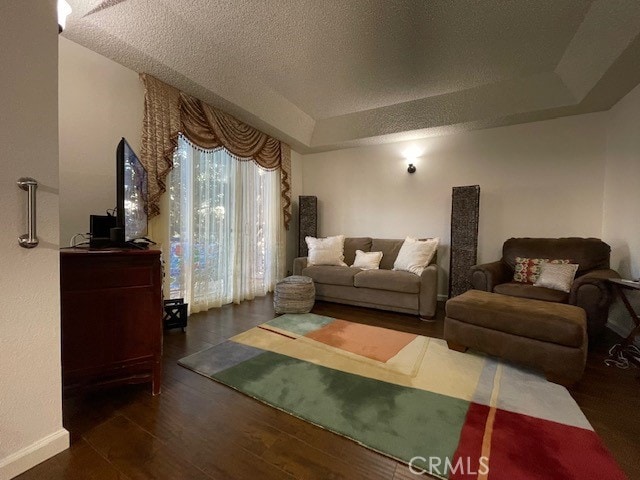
(199, 429)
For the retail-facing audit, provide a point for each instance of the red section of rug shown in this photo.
(549, 450)
(470, 447)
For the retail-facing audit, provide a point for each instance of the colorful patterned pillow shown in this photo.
(527, 270)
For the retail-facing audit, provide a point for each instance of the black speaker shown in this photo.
(307, 221)
(465, 212)
(100, 227)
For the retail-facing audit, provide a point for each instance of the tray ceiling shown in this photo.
(336, 73)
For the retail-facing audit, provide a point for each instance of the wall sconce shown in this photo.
(411, 168)
(64, 9)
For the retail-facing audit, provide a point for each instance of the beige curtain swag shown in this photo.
(160, 129)
(169, 112)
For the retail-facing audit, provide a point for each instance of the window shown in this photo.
(226, 233)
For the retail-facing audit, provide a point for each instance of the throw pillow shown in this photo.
(527, 270)
(325, 251)
(557, 276)
(367, 260)
(415, 255)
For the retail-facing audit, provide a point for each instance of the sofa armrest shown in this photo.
(429, 291)
(592, 282)
(488, 275)
(593, 294)
(298, 264)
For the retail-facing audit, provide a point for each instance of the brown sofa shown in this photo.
(384, 289)
(589, 290)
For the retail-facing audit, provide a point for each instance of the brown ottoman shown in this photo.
(545, 335)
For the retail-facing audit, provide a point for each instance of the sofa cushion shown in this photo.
(353, 244)
(367, 260)
(389, 249)
(330, 274)
(589, 253)
(325, 251)
(368, 297)
(557, 277)
(415, 255)
(525, 290)
(390, 280)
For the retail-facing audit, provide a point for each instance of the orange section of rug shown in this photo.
(375, 343)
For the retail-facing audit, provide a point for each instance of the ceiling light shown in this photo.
(64, 9)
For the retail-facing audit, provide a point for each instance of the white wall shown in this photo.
(538, 179)
(621, 219)
(100, 102)
(30, 373)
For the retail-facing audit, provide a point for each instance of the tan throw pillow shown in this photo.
(415, 254)
(325, 251)
(527, 270)
(557, 276)
(367, 260)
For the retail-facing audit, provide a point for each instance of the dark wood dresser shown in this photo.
(111, 317)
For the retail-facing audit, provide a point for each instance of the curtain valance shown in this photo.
(169, 112)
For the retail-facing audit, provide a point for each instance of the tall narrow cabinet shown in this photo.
(111, 317)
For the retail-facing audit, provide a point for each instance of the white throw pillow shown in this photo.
(367, 260)
(557, 276)
(325, 251)
(416, 254)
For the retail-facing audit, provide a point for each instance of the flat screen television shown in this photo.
(131, 194)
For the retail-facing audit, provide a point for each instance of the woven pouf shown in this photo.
(294, 294)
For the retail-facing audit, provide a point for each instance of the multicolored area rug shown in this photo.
(452, 415)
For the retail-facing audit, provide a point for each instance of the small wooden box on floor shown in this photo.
(545, 335)
(111, 317)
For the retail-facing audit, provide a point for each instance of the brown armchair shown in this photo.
(589, 290)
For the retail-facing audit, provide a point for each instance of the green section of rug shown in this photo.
(300, 323)
(398, 421)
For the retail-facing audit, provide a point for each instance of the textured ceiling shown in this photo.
(325, 74)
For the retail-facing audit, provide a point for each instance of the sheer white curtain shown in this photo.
(226, 228)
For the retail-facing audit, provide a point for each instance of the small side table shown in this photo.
(621, 351)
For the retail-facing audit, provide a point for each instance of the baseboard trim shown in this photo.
(442, 298)
(32, 455)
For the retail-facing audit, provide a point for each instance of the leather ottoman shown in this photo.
(545, 335)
